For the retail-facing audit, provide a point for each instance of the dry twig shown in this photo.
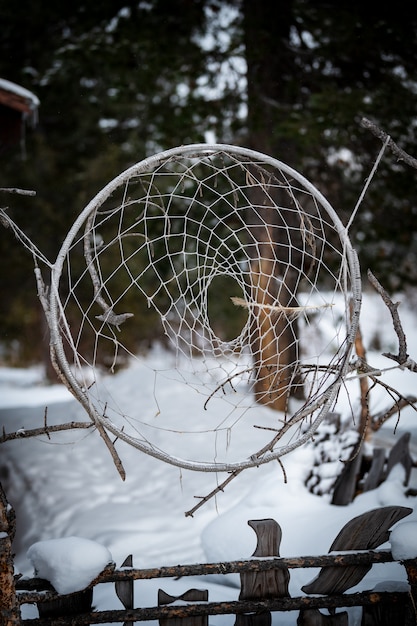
(383, 136)
(402, 358)
(21, 192)
(380, 419)
(23, 433)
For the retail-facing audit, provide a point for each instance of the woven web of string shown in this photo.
(243, 277)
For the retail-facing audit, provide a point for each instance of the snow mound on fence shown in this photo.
(70, 564)
(403, 541)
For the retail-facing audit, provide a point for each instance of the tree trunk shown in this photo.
(270, 78)
(273, 335)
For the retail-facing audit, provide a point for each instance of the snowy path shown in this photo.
(69, 486)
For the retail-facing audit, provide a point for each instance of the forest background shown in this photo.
(120, 80)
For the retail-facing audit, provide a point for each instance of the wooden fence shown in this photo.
(264, 585)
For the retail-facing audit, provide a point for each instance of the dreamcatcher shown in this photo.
(246, 271)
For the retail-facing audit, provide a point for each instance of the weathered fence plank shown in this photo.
(267, 584)
(364, 532)
(376, 471)
(124, 589)
(400, 453)
(192, 595)
(345, 486)
(313, 617)
(270, 583)
(70, 605)
(384, 615)
(347, 482)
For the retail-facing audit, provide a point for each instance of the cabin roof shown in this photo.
(18, 98)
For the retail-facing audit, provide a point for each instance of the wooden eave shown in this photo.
(15, 101)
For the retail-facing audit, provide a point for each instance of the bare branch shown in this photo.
(380, 419)
(364, 390)
(22, 433)
(204, 499)
(383, 136)
(110, 446)
(221, 487)
(279, 308)
(399, 401)
(21, 192)
(402, 357)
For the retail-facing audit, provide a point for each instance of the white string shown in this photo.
(24, 239)
(368, 181)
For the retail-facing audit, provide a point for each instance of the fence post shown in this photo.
(262, 585)
(9, 606)
(411, 569)
(68, 605)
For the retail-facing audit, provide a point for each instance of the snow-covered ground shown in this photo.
(67, 486)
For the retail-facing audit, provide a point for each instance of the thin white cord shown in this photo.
(368, 181)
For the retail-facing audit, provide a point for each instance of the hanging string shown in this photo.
(368, 181)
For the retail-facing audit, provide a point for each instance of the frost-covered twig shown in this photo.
(23, 433)
(109, 317)
(21, 192)
(279, 308)
(400, 401)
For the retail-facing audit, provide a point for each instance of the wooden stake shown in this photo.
(9, 606)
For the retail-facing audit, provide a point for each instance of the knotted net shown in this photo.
(248, 275)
